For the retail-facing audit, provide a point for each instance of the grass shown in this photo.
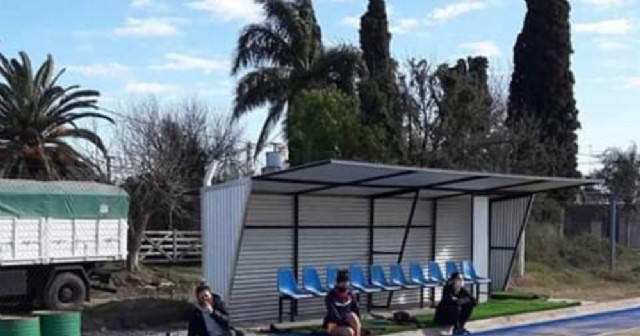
(507, 304)
(579, 284)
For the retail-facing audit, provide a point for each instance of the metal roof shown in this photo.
(348, 178)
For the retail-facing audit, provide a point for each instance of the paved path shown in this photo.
(594, 325)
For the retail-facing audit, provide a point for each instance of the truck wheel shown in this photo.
(66, 292)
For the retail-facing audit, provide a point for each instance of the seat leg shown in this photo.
(369, 301)
(433, 297)
(280, 299)
(292, 310)
(422, 298)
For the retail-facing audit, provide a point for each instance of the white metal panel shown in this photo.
(7, 241)
(60, 238)
(507, 219)
(395, 213)
(270, 210)
(108, 238)
(28, 239)
(481, 235)
(85, 242)
(320, 248)
(453, 230)
(223, 213)
(339, 246)
(254, 293)
(333, 211)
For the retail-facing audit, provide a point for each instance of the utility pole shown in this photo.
(613, 223)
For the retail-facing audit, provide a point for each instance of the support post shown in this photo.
(372, 208)
(296, 248)
(174, 256)
(613, 222)
(521, 255)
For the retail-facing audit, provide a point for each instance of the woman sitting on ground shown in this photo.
(343, 314)
(456, 305)
(210, 316)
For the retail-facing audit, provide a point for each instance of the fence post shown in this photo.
(174, 256)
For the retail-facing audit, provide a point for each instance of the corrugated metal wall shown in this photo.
(345, 242)
(334, 231)
(392, 215)
(453, 230)
(507, 218)
(223, 211)
(267, 244)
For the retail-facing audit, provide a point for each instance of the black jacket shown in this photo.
(200, 318)
(450, 304)
(339, 307)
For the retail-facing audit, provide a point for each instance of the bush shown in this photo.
(557, 259)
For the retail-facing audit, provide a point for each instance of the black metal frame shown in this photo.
(502, 193)
(405, 238)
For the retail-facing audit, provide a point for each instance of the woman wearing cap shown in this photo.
(456, 305)
(343, 314)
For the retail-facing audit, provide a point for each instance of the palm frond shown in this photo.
(261, 45)
(258, 88)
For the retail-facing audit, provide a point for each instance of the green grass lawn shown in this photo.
(506, 304)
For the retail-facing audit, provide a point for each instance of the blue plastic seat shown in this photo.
(469, 272)
(312, 283)
(417, 276)
(398, 278)
(435, 273)
(288, 287)
(379, 280)
(332, 275)
(452, 267)
(359, 281)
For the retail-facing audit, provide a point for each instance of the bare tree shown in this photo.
(165, 151)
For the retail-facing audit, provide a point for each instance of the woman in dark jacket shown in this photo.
(343, 313)
(456, 305)
(210, 317)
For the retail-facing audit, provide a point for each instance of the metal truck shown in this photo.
(55, 238)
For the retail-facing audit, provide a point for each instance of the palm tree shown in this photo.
(37, 117)
(283, 56)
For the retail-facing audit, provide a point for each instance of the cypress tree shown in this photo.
(378, 91)
(541, 91)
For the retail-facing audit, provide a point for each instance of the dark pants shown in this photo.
(454, 315)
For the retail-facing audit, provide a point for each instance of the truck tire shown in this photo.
(66, 292)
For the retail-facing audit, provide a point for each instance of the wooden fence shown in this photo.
(161, 247)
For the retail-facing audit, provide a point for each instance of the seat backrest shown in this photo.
(286, 281)
(377, 275)
(332, 275)
(452, 267)
(311, 279)
(397, 275)
(416, 273)
(468, 270)
(435, 273)
(357, 276)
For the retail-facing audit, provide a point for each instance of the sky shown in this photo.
(172, 49)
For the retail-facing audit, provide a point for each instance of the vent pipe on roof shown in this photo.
(274, 160)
